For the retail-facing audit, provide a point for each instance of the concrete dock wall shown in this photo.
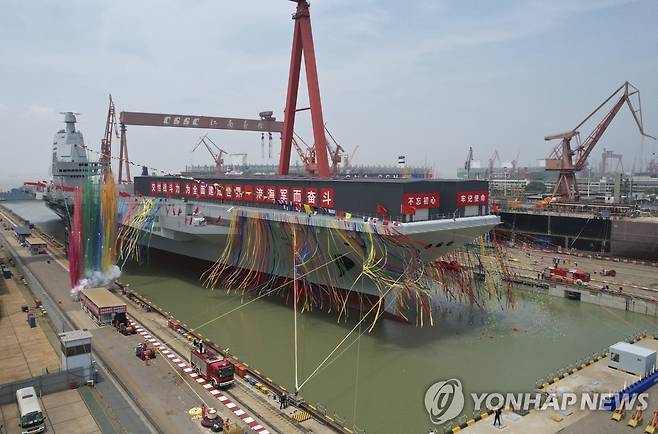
(612, 300)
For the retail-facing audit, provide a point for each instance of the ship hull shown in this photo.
(424, 241)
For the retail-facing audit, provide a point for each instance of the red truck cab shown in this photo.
(212, 367)
(564, 275)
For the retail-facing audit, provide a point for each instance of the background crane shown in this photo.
(306, 156)
(608, 155)
(495, 157)
(467, 163)
(335, 153)
(562, 157)
(216, 153)
(106, 141)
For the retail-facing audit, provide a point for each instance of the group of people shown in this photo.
(283, 401)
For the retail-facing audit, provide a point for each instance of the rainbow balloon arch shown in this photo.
(92, 233)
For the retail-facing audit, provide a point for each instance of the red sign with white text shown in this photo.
(311, 196)
(315, 197)
(469, 198)
(421, 200)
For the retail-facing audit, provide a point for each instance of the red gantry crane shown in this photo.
(216, 153)
(568, 161)
(302, 44)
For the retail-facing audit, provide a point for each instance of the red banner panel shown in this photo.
(297, 195)
(468, 198)
(248, 193)
(283, 195)
(327, 198)
(311, 196)
(238, 192)
(421, 200)
(270, 194)
(260, 193)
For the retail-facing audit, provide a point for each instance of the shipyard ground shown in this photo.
(639, 278)
(25, 352)
(162, 393)
(596, 377)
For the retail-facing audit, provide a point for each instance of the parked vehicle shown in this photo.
(212, 367)
(30, 414)
(564, 275)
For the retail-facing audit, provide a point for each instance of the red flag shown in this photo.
(340, 214)
(408, 209)
(167, 210)
(385, 222)
(179, 211)
(196, 210)
(219, 219)
(124, 194)
(381, 210)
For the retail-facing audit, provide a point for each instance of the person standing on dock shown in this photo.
(497, 421)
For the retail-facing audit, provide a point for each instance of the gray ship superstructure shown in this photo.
(70, 166)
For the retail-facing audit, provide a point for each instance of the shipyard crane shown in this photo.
(306, 156)
(652, 167)
(349, 158)
(335, 152)
(515, 161)
(495, 157)
(106, 142)
(467, 163)
(608, 155)
(562, 157)
(216, 153)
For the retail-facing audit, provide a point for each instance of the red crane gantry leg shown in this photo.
(302, 42)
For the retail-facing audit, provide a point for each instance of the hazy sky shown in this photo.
(425, 78)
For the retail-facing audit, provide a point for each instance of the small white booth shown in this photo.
(76, 351)
(632, 358)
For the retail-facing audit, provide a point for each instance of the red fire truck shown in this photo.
(564, 275)
(212, 367)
